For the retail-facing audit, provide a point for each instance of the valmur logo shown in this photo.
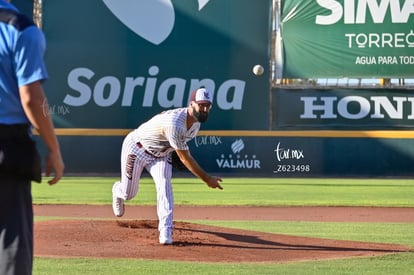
(153, 20)
(237, 160)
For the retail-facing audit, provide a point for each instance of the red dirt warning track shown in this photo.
(93, 231)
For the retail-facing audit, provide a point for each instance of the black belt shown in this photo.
(139, 144)
(14, 130)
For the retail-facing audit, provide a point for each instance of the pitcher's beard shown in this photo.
(200, 116)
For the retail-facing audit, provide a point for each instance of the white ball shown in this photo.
(258, 70)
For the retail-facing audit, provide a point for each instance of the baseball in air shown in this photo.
(258, 70)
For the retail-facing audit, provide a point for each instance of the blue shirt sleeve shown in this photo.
(28, 58)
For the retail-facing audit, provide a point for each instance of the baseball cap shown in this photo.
(201, 95)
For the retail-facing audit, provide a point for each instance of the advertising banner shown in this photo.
(348, 38)
(343, 109)
(114, 64)
(278, 157)
(282, 157)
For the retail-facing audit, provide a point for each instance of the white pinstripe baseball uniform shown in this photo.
(149, 147)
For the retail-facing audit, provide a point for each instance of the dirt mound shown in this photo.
(192, 242)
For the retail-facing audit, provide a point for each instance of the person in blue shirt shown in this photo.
(22, 105)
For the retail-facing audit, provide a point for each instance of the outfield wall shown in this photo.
(112, 68)
(25, 6)
(281, 154)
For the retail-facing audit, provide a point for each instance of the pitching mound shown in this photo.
(192, 242)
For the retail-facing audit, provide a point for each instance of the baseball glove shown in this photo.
(176, 162)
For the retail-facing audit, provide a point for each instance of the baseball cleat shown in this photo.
(118, 205)
(165, 237)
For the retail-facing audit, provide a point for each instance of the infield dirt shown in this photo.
(93, 231)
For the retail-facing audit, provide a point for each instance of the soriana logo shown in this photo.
(153, 20)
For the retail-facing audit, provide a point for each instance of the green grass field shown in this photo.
(260, 192)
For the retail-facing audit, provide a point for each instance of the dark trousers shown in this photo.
(16, 227)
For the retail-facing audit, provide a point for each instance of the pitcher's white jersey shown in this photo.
(166, 132)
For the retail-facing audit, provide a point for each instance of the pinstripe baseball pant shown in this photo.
(133, 161)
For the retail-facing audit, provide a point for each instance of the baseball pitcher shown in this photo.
(151, 146)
